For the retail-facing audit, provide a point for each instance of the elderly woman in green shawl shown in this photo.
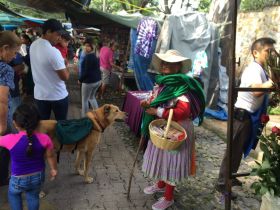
(174, 90)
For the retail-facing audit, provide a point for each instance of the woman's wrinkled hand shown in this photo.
(144, 103)
(151, 111)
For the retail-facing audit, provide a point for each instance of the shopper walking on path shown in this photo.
(28, 83)
(16, 95)
(248, 109)
(9, 45)
(49, 72)
(62, 45)
(185, 96)
(90, 78)
(28, 150)
(107, 64)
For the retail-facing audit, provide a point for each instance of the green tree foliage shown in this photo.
(269, 169)
(110, 5)
(257, 5)
(31, 11)
(204, 5)
(130, 6)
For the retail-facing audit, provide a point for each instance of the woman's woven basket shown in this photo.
(163, 142)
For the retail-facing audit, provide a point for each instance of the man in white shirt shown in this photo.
(248, 108)
(49, 72)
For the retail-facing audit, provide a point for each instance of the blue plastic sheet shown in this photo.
(219, 114)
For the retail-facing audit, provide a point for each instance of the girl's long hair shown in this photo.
(27, 117)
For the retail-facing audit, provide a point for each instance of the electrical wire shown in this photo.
(140, 8)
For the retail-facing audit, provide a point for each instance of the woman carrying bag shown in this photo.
(174, 90)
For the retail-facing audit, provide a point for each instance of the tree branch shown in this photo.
(183, 3)
(124, 6)
(166, 8)
(173, 2)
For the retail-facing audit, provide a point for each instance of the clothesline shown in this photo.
(140, 8)
(124, 2)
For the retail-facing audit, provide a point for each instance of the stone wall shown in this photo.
(253, 25)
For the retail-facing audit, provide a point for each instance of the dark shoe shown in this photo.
(236, 182)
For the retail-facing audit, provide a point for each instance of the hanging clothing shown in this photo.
(147, 32)
(200, 63)
(143, 79)
(191, 33)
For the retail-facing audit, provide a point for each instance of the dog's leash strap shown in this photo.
(73, 150)
(58, 153)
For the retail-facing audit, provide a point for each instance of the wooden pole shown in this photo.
(126, 61)
(133, 167)
(231, 108)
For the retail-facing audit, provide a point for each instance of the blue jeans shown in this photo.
(59, 108)
(31, 185)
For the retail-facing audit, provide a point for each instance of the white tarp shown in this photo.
(191, 33)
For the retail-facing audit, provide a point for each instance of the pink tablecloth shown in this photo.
(132, 107)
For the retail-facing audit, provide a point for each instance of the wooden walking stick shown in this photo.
(134, 163)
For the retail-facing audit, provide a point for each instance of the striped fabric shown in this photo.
(196, 104)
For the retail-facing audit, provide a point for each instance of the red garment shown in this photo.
(169, 192)
(63, 50)
(161, 184)
(181, 112)
(106, 57)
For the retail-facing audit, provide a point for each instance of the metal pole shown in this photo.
(231, 107)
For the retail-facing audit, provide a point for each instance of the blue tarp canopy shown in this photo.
(32, 19)
(10, 27)
(6, 19)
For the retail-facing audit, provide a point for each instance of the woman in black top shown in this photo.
(90, 78)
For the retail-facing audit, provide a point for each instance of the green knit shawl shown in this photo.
(175, 85)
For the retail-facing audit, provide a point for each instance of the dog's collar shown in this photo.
(102, 127)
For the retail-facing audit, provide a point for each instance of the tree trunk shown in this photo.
(166, 8)
(182, 4)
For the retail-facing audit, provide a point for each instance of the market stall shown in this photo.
(131, 106)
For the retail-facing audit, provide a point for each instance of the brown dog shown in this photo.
(101, 118)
